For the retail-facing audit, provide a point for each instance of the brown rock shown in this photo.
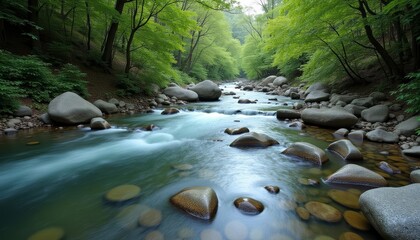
(356, 220)
(249, 206)
(168, 111)
(345, 198)
(272, 189)
(323, 211)
(236, 131)
(307, 151)
(303, 213)
(200, 202)
(350, 236)
(122, 193)
(356, 175)
(150, 218)
(253, 139)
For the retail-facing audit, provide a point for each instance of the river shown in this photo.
(62, 180)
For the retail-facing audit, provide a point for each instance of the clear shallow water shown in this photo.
(61, 181)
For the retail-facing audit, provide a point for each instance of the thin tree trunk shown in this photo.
(89, 25)
(33, 17)
(128, 51)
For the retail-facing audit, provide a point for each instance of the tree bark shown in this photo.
(128, 52)
(110, 38)
(33, 18)
(88, 24)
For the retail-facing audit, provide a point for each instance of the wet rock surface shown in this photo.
(307, 151)
(248, 205)
(252, 140)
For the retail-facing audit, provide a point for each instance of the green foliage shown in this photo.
(128, 85)
(409, 93)
(28, 76)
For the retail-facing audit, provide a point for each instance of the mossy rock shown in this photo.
(323, 211)
(122, 193)
(52, 233)
(356, 220)
(345, 198)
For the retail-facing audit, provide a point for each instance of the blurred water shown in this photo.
(61, 181)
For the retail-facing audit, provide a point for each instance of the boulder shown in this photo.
(248, 205)
(335, 98)
(272, 189)
(252, 140)
(207, 90)
(99, 123)
(307, 151)
(380, 135)
(333, 118)
(294, 95)
(236, 131)
(378, 96)
(364, 102)
(181, 93)
(378, 113)
(70, 108)
(412, 152)
(342, 132)
(279, 81)
(356, 110)
(23, 111)
(11, 123)
(200, 202)
(415, 176)
(346, 150)
(45, 118)
(245, 101)
(393, 212)
(317, 86)
(357, 135)
(317, 96)
(353, 174)
(114, 101)
(282, 114)
(408, 127)
(170, 111)
(10, 131)
(106, 107)
(267, 80)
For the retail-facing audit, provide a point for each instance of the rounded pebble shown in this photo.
(356, 220)
(323, 211)
(150, 218)
(123, 193)
(52, 233)
(249, 206)
(272, 189)
(303, 213)
(345, 198)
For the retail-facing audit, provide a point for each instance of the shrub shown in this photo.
(409, 92)
(9, 95)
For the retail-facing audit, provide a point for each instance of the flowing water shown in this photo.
(61, 181)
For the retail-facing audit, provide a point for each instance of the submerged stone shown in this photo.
(350, 236)
(303, 213)
(345, 198)
(307, 151)
(154, 235)
(52, 233)
(200, 202)
(122, 193)
(356, 220)
(150, 218)
(249, 206)
(323, 211)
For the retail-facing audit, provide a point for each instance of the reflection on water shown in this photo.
(61, 181)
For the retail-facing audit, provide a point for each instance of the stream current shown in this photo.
(61, 182)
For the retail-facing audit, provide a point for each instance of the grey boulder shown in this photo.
(70, 108)
(378, 113)
(317, 96)
(415, 176)
(317, 86)
(106, 107)
(23, 111)
(282, 114)
(332, 118)
(393, 212)
(181, 93)
(365, 102)
(253, 140)
(380, 135)
(207, 90)
(412, 152)
(307, 152)
(408, 127)
(346, 150)
(354, 109)
(99, 123)
(335, 98)
(352, 174)
(279, 81)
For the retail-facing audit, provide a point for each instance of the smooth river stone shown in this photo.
(353, 174)
(123, 193)
(303, 213)
(253, 139)
(52, 233)
(128, 217)
(307, 151)
(350, 236)
(345, 198)
(200, 202)
(150, 218)
(154, 235)
(272, 189)
(331, 118)
(346, 150)
(356, 220)
(323, 211)
(236, 131)
(249, 206)
(169, 111)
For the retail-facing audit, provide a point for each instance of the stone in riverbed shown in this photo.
(70, 108)
(350, 236)
(51, 233)
(332, 118)
(342, 132)
(207, 90)
(378, 113)
(150, 218)
(181, 93)
(323, 211)
(356, 220)
(353, 174)
(388, 168)
(252, 140)
(357, 135)
(345, 198)
(272, 189)
(236, 131)
(99, 123)
(279, 81)
(106, 107)
(122, 193)
(380, 135)
(317, 86)
(169, 111)
(307, 151)
(249, 206)
(245, 101)
(317, 96)
(23, 111)
(303, 213)
(393, 212)
(282, 114)
(412, 152)
(365, 102)
(346, 150)
(154, 235)
(408, 127)
(354, 109)
(415, 176)
(200, 202)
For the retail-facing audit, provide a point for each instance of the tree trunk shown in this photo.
(89, 25)
(128, 52)
(110, 38)
(33, 17)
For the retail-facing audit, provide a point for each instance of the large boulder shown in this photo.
(354, 109)
(364, 102)
(99, 123)
(181, 93)
(23, 111)
(317, 86)
(378, 113)
(282, 114)
(207, 90)
(412, 152)
(200, 202)
(408, 127)
(253, 139)
(317, 96)
(346, 150)
(380, 135)
(332, 118)
(106, 107)
(378, 96)
(335, 98)
(307, 151)
(279, 81)
(353, 174)
(70, 108)
(267, 80)
(393, 212)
